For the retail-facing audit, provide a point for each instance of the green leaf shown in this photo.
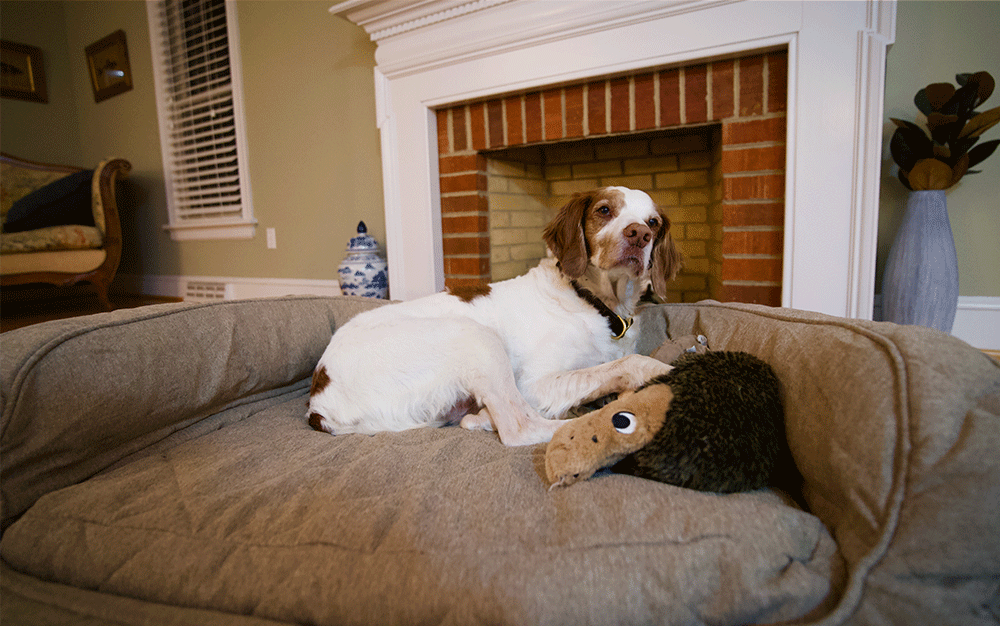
(938, 94)
(908, 146)
(930, 174)
(981, 123)
(982, 151)
(922, 102)
(985, 83)
(902, 178)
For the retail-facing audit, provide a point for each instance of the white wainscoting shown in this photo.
(977, 322)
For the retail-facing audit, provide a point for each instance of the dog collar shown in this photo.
(618, 324)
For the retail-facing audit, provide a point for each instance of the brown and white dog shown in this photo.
(516, 355)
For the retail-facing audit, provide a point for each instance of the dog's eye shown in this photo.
(603, 210)
(624, 422)
(653, 223)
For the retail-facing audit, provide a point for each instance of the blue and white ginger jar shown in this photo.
(363, 272)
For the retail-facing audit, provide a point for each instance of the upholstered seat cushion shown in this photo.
(52, 238)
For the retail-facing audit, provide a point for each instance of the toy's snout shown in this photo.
(604, 437)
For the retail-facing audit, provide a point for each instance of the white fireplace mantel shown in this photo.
(436, 52)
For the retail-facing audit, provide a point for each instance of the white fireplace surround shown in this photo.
(439, 52)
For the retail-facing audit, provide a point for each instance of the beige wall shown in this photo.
(32, 130)
(935, 41)
(310, 116)
(313, 146)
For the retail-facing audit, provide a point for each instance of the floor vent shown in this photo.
(200, 291)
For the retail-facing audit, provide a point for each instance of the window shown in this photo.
(199, 101)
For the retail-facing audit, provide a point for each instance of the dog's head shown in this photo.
(617, 230)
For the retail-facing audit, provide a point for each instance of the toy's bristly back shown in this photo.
(724, 431)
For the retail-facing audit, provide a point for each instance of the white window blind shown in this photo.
(195, 47)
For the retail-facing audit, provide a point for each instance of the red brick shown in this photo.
(464, 204)
(757, 270)
(462, 224)
(515, 135)
(768, 242)
(494, 114)
(753, 159)
(596, 108)
(461, 163)
(722, 90)
(463, 182)
(670, 98)
(768, 295)
(467, 266)
(444, 146)
(533, 117)
(764, 214)
(620, 111)
(777, 82)
(696, 94)
(477, 119)
(759, 187)
(574, 111)
(553, 114)
(460, 141)
(751, 86)
(645, 104)
(466, 245)
(753, 131)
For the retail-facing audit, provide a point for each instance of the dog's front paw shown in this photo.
(637, 370)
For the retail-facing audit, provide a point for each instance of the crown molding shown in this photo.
(382, 19)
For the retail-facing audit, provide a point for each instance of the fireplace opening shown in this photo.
(706, 141)
(679, 169)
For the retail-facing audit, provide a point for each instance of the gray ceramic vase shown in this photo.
(920, 284)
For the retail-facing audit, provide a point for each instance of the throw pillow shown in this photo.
(62, 202)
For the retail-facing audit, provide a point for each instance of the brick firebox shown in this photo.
(744, 97)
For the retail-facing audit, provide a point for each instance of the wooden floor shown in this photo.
(21, 307)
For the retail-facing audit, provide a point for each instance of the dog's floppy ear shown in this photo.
(565, 237)
(666, 259)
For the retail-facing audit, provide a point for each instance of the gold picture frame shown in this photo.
(107, 62)
(22, 73)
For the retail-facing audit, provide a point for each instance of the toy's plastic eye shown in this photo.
(624, 422)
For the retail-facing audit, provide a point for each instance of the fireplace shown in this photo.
(436, 57)
(706, 141)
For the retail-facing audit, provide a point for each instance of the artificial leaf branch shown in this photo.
(938, 157)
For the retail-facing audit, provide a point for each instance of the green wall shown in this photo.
(313, 148)
(935, 41)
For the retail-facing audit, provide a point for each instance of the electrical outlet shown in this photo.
(272, 239)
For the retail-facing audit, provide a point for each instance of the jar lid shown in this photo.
(363, 241)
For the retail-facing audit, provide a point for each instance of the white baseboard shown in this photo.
(977, 322)
(207, 288)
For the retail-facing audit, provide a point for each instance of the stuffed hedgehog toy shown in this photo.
(713, 423)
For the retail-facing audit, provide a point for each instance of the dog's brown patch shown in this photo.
(470, 292)
(319, 381)
(316, 421)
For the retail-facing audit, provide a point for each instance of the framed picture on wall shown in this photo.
(107, 61)
(22, 74)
